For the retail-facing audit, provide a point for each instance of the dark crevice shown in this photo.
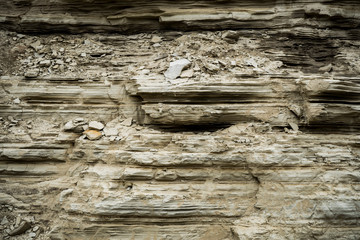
(190, 128)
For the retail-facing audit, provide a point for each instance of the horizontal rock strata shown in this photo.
(255, 137)
(138, 16)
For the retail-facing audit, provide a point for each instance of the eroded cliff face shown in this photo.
(247, 131)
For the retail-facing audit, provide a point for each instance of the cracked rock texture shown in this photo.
(257, 137)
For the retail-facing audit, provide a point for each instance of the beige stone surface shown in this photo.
(257, 139)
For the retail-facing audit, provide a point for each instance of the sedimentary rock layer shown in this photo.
(138, 16)
(256, 138)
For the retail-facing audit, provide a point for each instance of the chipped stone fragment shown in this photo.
(45, 63)
(32, 73)
(36, 45)
(93, 134)
(96, 125)
(176, 68)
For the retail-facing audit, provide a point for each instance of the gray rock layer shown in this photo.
(257, 139)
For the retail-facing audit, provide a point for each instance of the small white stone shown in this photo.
(96, 125)
(83, 54)
(32, 234)
(45, 63)
(176, 68)
(79, 120)
(16, 101)
(69, 126)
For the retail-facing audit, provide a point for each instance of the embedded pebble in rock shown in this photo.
(231, 36)
(96, 125)
(156, 39)
(326, 68)
(45, 63)
(211, 67)
(69, 126)
(93, 134)
(32, 73)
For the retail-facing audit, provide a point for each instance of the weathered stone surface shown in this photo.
(258, 139)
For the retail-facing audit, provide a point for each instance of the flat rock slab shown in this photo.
(96, 125)
(93, 134)
(176, 68)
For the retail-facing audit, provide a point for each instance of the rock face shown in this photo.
(258, 138)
